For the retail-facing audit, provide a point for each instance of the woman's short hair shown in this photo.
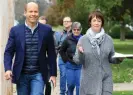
(76, 25)
(96, 14)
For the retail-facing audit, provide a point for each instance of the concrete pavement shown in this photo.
(123, 87)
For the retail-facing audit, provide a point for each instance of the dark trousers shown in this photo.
(48, 89)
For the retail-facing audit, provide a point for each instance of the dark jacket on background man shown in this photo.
(59, 38)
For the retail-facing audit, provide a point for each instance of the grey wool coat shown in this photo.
(96, 73)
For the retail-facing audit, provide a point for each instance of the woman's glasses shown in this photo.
(76, 29)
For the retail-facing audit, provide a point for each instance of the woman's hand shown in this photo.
(80, 48)
(121, 59)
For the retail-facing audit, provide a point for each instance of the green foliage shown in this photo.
(60, 1)
(83, 7)
(123, 93)
(80, 13)
(123, 72)
(121, 14)
(124, 46)
(115, 32)
(129, 34)
(113, 10)
(57, 28)
(127, 17)
(57, 12)
(54, 15)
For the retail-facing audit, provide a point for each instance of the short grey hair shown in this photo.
(77, 25)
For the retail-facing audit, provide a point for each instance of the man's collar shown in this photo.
(32, 29)
(67, 31)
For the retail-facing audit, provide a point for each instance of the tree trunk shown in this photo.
(6, 22)
(122, 31)
(122, 34)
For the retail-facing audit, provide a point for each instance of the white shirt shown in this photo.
(32, 29)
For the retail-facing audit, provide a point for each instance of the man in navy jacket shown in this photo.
(29, 43)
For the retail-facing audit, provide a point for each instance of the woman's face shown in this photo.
(76, 31)
(96, 24)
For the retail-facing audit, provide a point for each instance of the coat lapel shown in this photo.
(22, 36)
(40, 36)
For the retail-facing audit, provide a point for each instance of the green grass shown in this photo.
(123, 93)
(57, 28)
(123, 46)
(124, 71)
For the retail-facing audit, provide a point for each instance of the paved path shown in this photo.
(123, 86)
(117, 87)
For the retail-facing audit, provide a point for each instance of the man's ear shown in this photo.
(24, 13)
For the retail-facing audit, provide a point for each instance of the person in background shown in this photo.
(95, 52)
(67, 51)
(30, 42)
(43, 20)
(59, 38)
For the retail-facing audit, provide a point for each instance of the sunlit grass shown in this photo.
(123, 93)
(57, 28)
(123, 72)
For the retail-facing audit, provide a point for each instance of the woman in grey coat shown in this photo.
(95, 50)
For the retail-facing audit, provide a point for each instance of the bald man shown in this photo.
(30, 42)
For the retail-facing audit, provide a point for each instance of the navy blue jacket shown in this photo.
(16, 45)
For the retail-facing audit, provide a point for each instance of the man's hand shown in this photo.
(8, 75)
(53, 79)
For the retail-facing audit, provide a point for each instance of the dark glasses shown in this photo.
(76, 29)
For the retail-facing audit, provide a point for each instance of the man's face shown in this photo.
(31, 13)
(67, 22)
